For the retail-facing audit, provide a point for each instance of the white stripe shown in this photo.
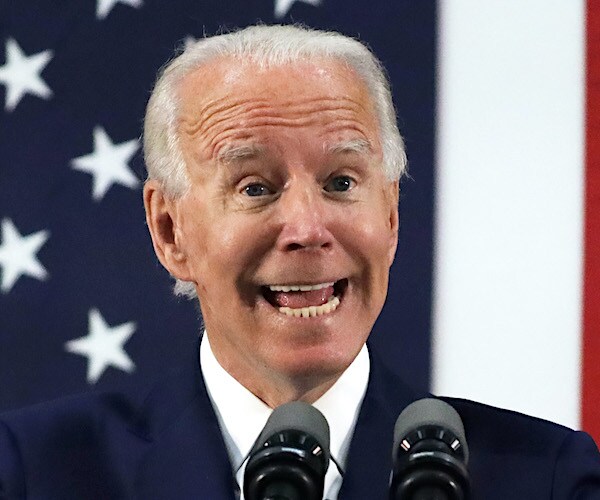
(509, 204)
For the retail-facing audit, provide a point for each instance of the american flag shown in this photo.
(85, 306)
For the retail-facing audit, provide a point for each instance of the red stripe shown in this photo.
(591, 301)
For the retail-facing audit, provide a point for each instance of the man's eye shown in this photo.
(340, 183)
(257, 190)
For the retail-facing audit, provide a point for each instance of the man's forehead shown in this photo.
(230, 108)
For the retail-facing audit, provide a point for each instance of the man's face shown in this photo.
(287, 190)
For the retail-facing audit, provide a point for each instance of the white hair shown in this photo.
(265, 46)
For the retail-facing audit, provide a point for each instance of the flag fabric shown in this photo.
(84, 304)
(516, 282)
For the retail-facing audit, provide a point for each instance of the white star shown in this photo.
(108, 163)
(103, 346)
(17, 255)
(21, 74)
(282, 7)
(103, 7)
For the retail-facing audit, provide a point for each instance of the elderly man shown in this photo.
(274, 160)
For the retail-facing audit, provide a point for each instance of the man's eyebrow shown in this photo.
(231, 154)
(352, 146)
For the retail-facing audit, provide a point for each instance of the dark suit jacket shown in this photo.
(105, 446)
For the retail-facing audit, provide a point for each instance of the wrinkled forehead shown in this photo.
(230, 93)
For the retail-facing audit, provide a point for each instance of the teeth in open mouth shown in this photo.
(312, 311)
(298, 288)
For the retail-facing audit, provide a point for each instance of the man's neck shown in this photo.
(309, 391)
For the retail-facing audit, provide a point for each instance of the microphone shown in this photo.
(290, 457)
(430, 453)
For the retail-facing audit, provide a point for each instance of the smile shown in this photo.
(304, 300)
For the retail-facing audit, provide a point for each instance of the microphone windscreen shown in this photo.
(298, 416)
(430, 411)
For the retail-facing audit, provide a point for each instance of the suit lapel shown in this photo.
(370, 456)
(187, 457)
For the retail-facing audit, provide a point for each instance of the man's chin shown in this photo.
(312, 368)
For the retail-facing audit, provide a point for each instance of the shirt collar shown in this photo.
(242, 415)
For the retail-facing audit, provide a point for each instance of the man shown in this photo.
(274, 161)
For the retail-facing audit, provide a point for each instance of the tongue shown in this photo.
(296, 300)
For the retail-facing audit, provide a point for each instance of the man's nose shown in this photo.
(304, 220)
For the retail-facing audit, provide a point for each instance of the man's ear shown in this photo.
(162, 220)
(394, 193)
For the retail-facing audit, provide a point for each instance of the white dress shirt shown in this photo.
(242, 415)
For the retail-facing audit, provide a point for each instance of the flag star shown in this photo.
(103, 7)
(18, 255)
(103, 346)
(21, 74)
(282, 7)
(108, 163)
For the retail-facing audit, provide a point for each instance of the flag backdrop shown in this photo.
(491, 297)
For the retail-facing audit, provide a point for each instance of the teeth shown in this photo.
(298, 288)
(312, 311)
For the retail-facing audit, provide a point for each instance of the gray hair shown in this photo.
(266, 46)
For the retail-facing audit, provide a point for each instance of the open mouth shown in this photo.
(306, 301)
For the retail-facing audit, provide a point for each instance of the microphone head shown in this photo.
(291, 455)
(435, 413)
(430, 453)
(296, 416)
